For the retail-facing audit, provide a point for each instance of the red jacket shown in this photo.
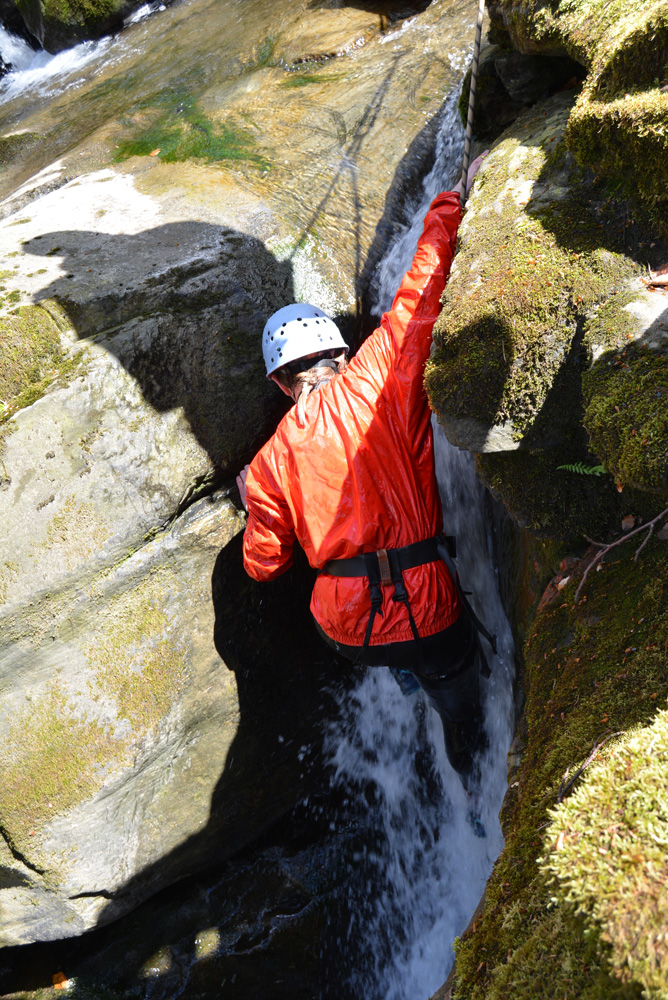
(359, 476)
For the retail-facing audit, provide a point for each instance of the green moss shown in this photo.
(591, 669)
(625, 138)
(621, 118)
(84, 14)
(595, 33)
(608, 854)
(52, 759)
(30, 357)
(505, 335)
(626, 416)
(179, 130)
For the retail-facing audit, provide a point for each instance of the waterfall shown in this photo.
(42, 73)
(423, 871)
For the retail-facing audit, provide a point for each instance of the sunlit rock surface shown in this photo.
(619, 120)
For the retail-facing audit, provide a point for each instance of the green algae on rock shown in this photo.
(177, 129)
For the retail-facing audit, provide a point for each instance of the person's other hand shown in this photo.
(472, 171)
(241, 485)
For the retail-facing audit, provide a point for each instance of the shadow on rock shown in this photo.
(182, 306)
(259, 917)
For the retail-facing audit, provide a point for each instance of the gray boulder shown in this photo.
(131, 754)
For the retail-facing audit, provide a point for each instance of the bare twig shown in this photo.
(563, 783)
(618, 541)
(566, 786)
(592, 541)
(644, 542)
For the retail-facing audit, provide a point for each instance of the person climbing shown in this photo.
(349, 473)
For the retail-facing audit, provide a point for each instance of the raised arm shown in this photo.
(398, 349)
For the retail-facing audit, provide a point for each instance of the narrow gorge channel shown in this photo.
(198, 798)
(417, 873)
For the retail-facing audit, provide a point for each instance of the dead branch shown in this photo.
(566, 786)
(618, 541)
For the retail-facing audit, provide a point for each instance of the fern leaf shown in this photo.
(584, 470)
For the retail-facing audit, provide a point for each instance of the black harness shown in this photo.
(387, 565)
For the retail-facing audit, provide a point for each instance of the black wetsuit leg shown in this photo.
(449, 674)
(452, 685)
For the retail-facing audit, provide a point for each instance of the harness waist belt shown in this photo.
(408, 556)
(387, 565)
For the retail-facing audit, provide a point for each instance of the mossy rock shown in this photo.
(565, 921)
(549, 342)
(620, 120)
(32, 357)
(59, 24)
(626, 416)
(550, 501)
(608, 855)
(625, 138)
(535, 257)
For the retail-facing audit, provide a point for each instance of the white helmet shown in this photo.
(295, 331)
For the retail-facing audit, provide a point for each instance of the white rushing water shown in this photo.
(39, 71)
(426, 871)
